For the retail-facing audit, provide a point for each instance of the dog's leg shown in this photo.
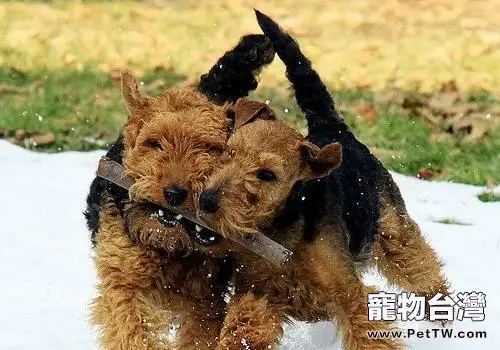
(130, 307)
(403, 256)
(345, 295)
(251, 323)
(201, 322)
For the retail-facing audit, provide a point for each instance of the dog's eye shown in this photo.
(215, 149)
(266, 175)
(155, 144)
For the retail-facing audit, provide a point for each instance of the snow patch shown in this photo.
(47, 278)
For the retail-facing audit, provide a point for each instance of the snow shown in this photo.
(47, 278)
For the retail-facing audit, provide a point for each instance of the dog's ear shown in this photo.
(319, 162)
(135, 103)
(130, 91)
(246, 111)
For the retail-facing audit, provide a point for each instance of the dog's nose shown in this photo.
(175, 195)
(209, 201)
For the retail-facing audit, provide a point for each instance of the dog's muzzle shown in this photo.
(201, 235)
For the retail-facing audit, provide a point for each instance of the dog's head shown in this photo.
(173, 141)
(263, 161)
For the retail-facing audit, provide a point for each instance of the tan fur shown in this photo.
(174, 138)
(139, 294)
(130, 307)
(321, 281)
(251, 322)
(263, 144)
(401, 253)
(151, 275)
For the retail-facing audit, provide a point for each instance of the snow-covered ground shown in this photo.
(47, 280)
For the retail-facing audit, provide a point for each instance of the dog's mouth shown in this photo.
(203, 236)
(167, 217)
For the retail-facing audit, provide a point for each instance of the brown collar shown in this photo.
(258, 243)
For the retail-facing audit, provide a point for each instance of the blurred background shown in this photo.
(417, 80)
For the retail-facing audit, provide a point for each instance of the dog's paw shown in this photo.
(258, 50)
(145, 226)
(160, 236)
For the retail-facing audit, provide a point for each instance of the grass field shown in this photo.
(58, 65)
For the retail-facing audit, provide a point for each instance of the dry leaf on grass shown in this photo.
(382, 153)
(23, 137)
(13, 89)
(413, 101)
(443, 101)
(18, 72)
(366, 111)
(10, 89)
(451, 112)
(428, 173)
(94, 141)
(449, 86)
(116, 76)
(20, 134)
(473, 125)
(390, 97)
(490, 183)
(42, 139)
(164, 67)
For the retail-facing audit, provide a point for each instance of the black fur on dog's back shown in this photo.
(232, 77)
(353, 188)
(100, 186)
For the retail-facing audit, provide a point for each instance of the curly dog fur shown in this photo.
(326, 198)
(151, 271)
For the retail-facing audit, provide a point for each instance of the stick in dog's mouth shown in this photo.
(203, 234)
(200, 234)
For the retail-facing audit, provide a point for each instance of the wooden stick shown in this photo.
(258, 243)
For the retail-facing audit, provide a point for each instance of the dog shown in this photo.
(151, 264)
(326, 198)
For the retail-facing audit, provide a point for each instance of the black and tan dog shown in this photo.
(152, 265)
(326, 198)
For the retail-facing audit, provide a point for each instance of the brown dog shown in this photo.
(252, 192)
(326, 198)
(152, 265)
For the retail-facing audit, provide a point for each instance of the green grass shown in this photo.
(452, 221)
(73, 105)
(76, 105)
(56, 59)
(406, 145)
(488, 197)
(413, 149)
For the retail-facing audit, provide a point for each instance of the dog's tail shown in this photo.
(312, 96)
(235, 74)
